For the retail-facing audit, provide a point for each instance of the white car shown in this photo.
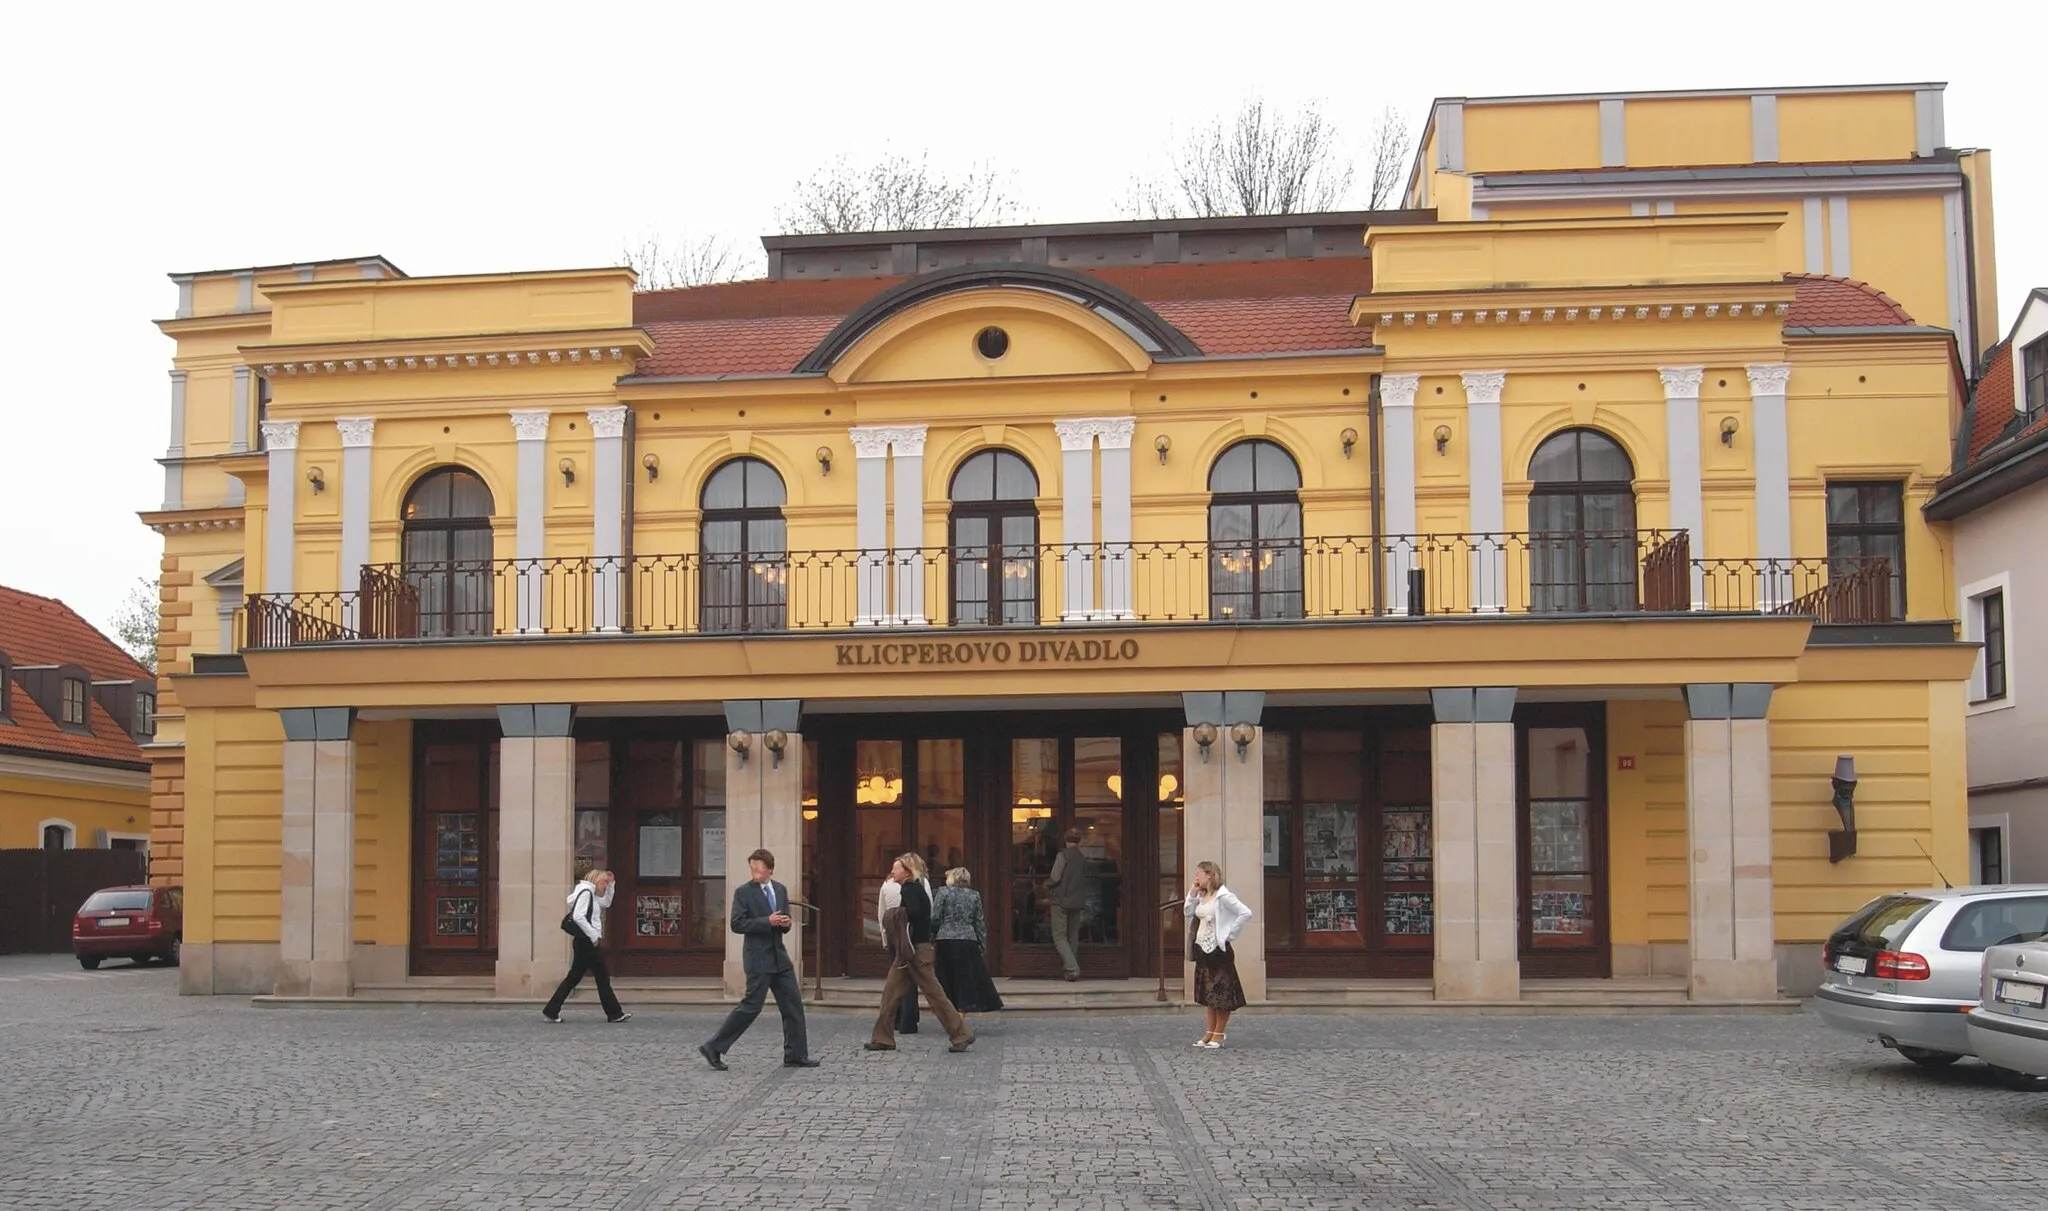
(2009, 1026)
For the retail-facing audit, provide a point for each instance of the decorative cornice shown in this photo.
(1113, 431)
(197, 521)
(531, 425)
(1769, 378)
(448, 361)
(355, 430)
(1484, 386)
(1681, 382)
(1398, 390)
(608, 422)
(281, 434)
(1605, 312)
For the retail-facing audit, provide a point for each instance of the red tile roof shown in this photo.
(1297, 324)
(1821, 301)
(42, 630)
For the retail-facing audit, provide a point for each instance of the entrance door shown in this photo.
(1563, 848)
(1059, 785)
(455, 853)
(652, 810)
(908, 796)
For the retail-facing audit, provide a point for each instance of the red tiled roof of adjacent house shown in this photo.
(1296, 324)
(1822, 301)
(42, 630)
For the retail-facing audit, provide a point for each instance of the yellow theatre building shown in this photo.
(1493, 586)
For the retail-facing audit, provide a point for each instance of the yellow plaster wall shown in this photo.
(234, 783)
(1660, 132)
(1827, 127)
(1647, 845)
(1899, 246)
(1526, 137)
(383, 832)
(26, 802)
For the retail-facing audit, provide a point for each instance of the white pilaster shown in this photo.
(356, 432)
(281, 437)
(1682, 450)
(1838, 236)
(1813, 238)
(530, 427)
(608, 512)
(871, 523)
(1397, 480)
(907, 452)
(174, 470)
(238, 438)
(1487, 508)
(1769, 431)
(1077, 516)
(1114, 432)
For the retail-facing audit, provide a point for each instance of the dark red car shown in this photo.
(139, 923)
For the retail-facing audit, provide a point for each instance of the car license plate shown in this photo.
(2013, 993)
(110, 922)
(1850, 965)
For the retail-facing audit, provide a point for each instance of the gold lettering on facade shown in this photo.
(980, 654)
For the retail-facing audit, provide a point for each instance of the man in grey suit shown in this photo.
(760, 912)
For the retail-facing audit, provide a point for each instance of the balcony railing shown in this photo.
(1252, 581)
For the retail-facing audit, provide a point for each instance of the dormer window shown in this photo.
(145, 716)
(2035, 367)
(72, 707)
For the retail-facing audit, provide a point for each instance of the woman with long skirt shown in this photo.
(961, 937)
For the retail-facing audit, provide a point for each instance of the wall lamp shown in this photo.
(1443, 437)
(1242, 735)
(824, 460)
(776, 739)
(568, 469)
(739, 742)
(1164, 444)
(1842, 843)
(1350, 438)
(1728, 427)
(1205, 733)
(652, 462)
(318, 480)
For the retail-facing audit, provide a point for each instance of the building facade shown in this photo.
(1494, 590)
(1996, 505)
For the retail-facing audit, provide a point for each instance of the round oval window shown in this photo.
(992, 343)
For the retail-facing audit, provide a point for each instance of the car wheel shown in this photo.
(171, 955)
(2020, 1081)
(89, 962)
(1929, 1059)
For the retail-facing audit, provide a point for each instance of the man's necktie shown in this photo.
(769, 888)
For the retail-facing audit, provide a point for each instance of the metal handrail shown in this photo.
(1163, 953)
(814, 923)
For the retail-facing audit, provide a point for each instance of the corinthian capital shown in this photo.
(531, 426)
(1769, 378)
(1484, 386)
(1682, 382)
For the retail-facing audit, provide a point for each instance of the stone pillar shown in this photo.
(907, 444)
(1223, 819)
(316, 868)
(536, 847)
(608, 514)
(764, 809)
(1682, 451)
(870, 524)
(355, 503)
(1474, 840)
(1487, 507)
(1728, 830)
(1397, 481)
(1768, 432)
(530, 511)
(1077, 518)
(280, 545)
(1118, 604)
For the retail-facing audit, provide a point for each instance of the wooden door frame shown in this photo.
(619, 733)
(1597, 960)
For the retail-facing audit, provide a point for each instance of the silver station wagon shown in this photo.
(2009, 1028)
(1905, 969)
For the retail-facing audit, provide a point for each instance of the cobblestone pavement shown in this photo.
(120, 1094)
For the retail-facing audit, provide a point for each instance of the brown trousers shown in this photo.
(919, 972)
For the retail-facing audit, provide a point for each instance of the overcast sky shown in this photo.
(457, 138)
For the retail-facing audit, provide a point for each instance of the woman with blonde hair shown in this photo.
(584, 923)
(909, 927)
(959, 937)
(1214, 919)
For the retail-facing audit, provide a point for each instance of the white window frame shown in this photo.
(1972, 613)
(142, 838)
(2003, 824)
(70, 832)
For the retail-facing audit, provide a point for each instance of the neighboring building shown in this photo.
(1996, 504)
(1492, 594)
(74, 712)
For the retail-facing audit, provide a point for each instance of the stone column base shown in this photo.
(1733, 980)
(330, 978)
(1492, 980)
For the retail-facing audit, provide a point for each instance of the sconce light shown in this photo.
(1242, 735)
(568, 469)
(1728, 427)
(1164, 444)
(1443, 437)
(739, 742)
(318, 481)
(1350, 438)
(776, 739)
(1842, 843)
(824, 460)
(1205, 735)
(652, 462)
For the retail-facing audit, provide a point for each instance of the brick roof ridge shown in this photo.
(1857, 284)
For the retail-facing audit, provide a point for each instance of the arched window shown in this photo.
(1582, 525)
(995, 541)
(446, 551)
(745, 548)
(1255, 533)
(59, 834)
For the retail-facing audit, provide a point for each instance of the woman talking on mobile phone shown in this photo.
(1215, 917)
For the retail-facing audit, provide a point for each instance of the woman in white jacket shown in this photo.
(1214, 919)
(584, 923)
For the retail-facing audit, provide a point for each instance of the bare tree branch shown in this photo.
(895, 193)
(1389, 158)
(1257, 161)
(135, 623)
(702, 261)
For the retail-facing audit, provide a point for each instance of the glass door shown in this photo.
(652, 810)
(1059, 785)
(908, 796)
(455, 902)
(1563, 873)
